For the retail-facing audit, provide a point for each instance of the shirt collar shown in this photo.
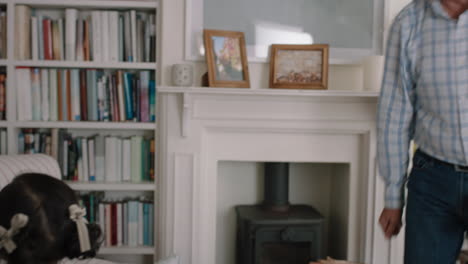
(439, 10)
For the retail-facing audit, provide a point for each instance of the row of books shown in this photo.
(124, 223)
(94, 35)
(3, 142)
(2, 96)
(85, 95)
(3, 33)
(96, 158)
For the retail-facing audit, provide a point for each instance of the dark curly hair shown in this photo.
(50, 235)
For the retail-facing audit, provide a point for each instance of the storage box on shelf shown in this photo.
(86, 71)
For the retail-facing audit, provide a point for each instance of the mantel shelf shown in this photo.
(266, 91)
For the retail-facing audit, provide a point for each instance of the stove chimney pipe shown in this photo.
(276, 197)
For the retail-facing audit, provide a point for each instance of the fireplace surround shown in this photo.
(199, 127)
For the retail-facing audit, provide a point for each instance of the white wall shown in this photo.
(172, 51)
(173, 32)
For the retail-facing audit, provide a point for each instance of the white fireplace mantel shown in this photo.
(199, 127)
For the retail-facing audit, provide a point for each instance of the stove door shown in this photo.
(287, 245)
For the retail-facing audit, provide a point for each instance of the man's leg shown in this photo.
(434, 226)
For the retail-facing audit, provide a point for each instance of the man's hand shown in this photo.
(390, 221)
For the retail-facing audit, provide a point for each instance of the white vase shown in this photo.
(182, 75)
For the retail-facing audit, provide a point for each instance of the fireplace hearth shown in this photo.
(276, 232)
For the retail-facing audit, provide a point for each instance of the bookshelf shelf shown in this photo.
(38, 29)
(86, 125)
(86, 64)
(106, 186)
(126, 251)
(139, 5)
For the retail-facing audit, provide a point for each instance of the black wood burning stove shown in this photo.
(276, 232)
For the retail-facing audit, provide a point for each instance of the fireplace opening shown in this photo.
(276, 232)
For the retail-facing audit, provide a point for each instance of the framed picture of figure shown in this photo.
(226, 59)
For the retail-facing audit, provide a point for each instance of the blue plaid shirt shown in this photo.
(424, 92)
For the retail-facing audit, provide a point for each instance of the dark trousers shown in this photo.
(437, 211)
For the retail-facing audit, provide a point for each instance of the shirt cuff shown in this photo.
(394, 198)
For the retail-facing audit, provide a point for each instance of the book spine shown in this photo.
(110, 98)
(140, 223)
(92, 94)
(47, 36)
(61, 39)
(100, 158)
(24, 99)
(71, 16)
(128, 36)
(115, 99)
(152, 99)
(145, 224)
(55, 40)
(108, 225)
(36, 94)
(79, 40)
(152, 159)
(86, 40)
(133, 34)
(3, 142)
(128, 95)
(53, 95)
(114, 224)
(119, 224)
(121, 94)
(96, 35)
(121, 39)
(102, 216)
(76, 98)
(145, 93)
(2, 96)
(34, 38)
(85, 157)
(83, 95)
(70, 93)
(105, 35)
(126, 160)
(125, 223)
(22, 27)
(118, 160)
(151, 225)
(40, 39)
(45, 94)
(113, 35)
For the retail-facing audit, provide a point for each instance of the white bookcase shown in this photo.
(140, 254)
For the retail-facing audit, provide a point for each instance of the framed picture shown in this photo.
(299, 66)
(226, 59)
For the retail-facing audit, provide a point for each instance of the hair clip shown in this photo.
(77, 215)
(17, 222)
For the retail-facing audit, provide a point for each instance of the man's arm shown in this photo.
(394, 118)
(394, 127)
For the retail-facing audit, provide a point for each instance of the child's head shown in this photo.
(40, 206)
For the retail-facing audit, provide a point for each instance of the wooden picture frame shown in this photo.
(226, 59)
(299, 66)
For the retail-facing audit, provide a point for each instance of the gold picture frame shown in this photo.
(299, 66)
(226, 58)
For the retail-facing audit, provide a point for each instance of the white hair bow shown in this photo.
(17, 222)
(77, 215)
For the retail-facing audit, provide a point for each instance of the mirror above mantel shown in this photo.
(352, 28)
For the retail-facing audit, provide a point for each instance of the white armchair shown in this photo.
(14, 165)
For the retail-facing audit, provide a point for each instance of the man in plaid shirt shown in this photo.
(424, 98)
